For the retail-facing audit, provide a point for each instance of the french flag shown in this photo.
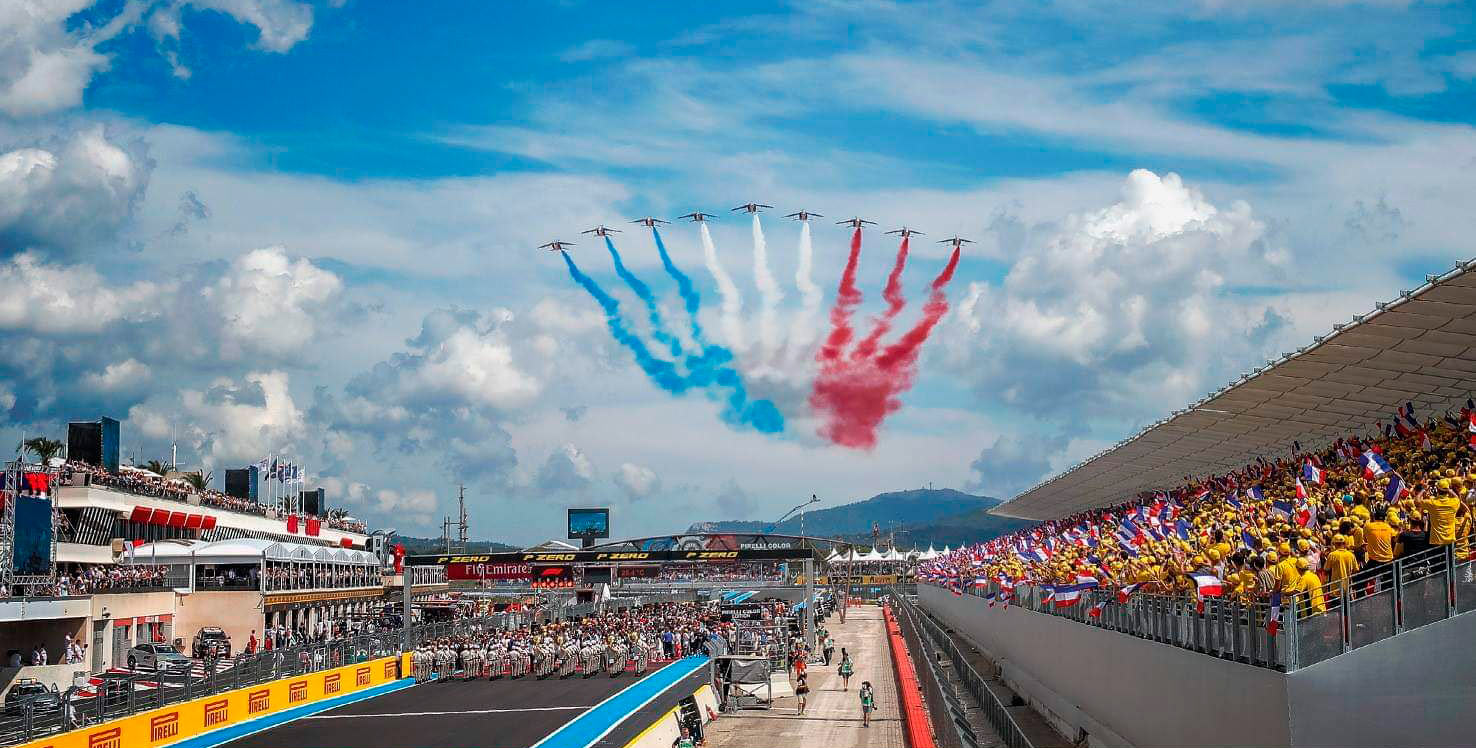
(1208, 585)
(1050, 594)
(1281, 509)
(1182, 527)
(1127, 592)
(1409, 415)
(1312, 473)
(1396, 490)
(1301, 489)
(1375, 465)
(1273, 617)
(1401, 429)
(1256, 494)
(1096, 609)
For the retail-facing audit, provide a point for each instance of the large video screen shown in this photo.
(32, 536)
(589, 523)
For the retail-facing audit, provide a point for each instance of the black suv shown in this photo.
(212, 640)
(43, 699)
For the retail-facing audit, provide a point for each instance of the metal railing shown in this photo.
(999, 716)
(112, 695)
(1376, 603)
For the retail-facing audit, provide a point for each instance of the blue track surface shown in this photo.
(594, 724)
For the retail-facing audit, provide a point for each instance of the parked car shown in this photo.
(158, 657)
(212, 640)
(30, 689)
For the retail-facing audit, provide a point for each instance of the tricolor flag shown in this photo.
(1096, 609)
(1375, 465)
(1208, 585)
(1182, 527)
(1281, 509)
(1273, 617)
(1301, 489)
(1068, 595)
(1050, 594)
(1250, 540)
(1230, 497)
(1396, 489)
(1312, 473)
(1256, 493)
(1401, 429)
(1127, 592)
(1409, 415)
(1425, 441)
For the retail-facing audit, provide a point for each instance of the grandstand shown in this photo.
(1285, 562)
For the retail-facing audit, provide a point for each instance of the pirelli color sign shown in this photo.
(172, 724)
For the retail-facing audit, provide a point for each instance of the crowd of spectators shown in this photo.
(89, 579)
(288, 575)
(726, 572)
(1312, 526)
(147, 483)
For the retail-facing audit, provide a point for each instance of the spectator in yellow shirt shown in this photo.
(1288, 576)
(1440, 514)
(1340, 562)
(1379, 539)
(1310, 585)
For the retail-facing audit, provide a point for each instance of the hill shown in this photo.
(417, 546)
(917, 516)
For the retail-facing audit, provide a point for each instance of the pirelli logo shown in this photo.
(462, 559)
(623, 556)
(361, 676)
(391, 669)
(108, 738)
(298, 691)
(217, 712)
(332, 683)
(548, 556)
(710, 554)
(258, 701)
(163, 727)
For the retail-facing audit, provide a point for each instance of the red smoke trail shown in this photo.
(895, 302)
(846, 300)
(856, 396)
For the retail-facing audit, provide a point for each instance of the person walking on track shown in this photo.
(868, 703)
(801, 690)
(847, 668)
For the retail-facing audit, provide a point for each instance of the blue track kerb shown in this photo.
(605, 716)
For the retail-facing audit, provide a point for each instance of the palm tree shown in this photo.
(158, 466)
(200, 481)
(43, 448)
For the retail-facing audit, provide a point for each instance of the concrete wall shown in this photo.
(60, 677)
(1418, 688)
(239, 613)
(1120, 689)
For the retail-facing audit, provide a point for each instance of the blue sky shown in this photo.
(260, 225)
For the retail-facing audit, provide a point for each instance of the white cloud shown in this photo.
(122, 376)
(51, 299)
(79, 191)
(637, 481)
(568, 469)
(596, 49)
(416, 504)
(237, 422)
(269, 303)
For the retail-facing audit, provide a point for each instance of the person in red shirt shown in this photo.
(251, 643)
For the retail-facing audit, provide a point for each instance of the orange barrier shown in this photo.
(916, 728)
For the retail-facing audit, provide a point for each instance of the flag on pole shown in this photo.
(1096, 610)
(1273, 617)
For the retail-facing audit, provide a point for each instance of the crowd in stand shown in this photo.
(88, 579)
(146, 483)
(1312, 526)
(739, 571)
(286, 575)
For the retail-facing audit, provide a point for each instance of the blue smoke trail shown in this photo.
(704, 371)
(688, 292)
(658, 326)
(662, 372)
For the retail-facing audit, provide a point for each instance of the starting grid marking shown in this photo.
(451, 714)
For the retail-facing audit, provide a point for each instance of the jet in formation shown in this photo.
(955, 241)
(856, 222)
(804, 215)
(649, 221)
(905, 232)
(602, 230)
(557, 246)
(697, 216)
(751, 207)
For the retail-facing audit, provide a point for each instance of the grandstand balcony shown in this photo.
(97, 515)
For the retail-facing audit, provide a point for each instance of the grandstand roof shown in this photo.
(1419, 348)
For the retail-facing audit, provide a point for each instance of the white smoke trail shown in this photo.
(769, 293)
(802, 332)
(732, 302)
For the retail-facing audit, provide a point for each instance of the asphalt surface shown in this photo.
(451, 714)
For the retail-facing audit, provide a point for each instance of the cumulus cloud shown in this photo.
(75, 191)
(734, 502)
(1008, 466)
(268, 303)
(1122, 306)
(53, 299)
(567, 470)
(460, 357)
(129, 375)
(238, 421)
(637, 481)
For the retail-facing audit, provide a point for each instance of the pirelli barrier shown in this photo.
(179, 722)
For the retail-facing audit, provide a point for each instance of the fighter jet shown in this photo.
(804, 215)
(557, 246)
(751, 207)
(648, 222)
(857, 222)
(955, 241)
(697, 216)
(601, 230)
(905, 232)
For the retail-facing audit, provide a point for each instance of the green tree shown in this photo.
(201, 481)
(158, 466)
(43, 448)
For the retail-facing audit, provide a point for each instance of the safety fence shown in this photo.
(1378, 602)
(915, 726)
(951, 728)
(116, 694)
(999, 717)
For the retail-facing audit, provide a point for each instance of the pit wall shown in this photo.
(664, 732)
(1118, 690)
(231, 709)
